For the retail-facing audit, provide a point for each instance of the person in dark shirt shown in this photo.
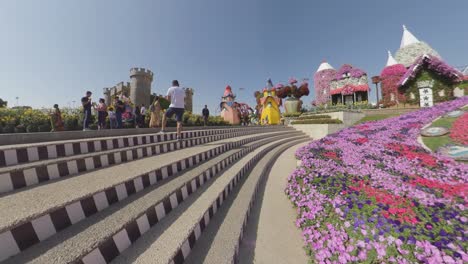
(206, 114)
(119, 109)
(86, 103)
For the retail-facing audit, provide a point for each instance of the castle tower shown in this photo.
(188, 99)
(390, 61)
(412, 48)
(140, 86)
(322, 78)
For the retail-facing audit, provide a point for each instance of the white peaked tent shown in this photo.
(390, 61)
(325, 66)
(408, 38)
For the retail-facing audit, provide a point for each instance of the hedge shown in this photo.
(316, 121)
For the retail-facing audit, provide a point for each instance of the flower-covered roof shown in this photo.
(432, 63)
(347, 70)
(392, 70)
(348, 80)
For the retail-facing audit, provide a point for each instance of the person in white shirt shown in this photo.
(176, 95)
(143, 115)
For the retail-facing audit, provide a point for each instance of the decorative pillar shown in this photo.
(342, 99)
(375, 80)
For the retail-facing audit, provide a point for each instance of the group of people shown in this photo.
(116, 112)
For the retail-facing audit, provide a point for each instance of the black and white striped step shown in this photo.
(22, 229)
(18, 154)
(220, 243)
(173, 243)
(91, 239)
(20, 176)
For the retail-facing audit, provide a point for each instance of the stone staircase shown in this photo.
(143, 198)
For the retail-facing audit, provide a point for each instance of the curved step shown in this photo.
(220, 243)
(32, 216)
(24, 175)
(95, 235)
(176, 237)
(24, 153)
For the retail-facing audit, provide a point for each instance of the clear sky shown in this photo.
(52, 51)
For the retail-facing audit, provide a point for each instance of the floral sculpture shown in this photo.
(268, 104)
(292, 93)
(350, 85)
(371, 194)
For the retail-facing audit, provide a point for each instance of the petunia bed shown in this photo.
(371, 194)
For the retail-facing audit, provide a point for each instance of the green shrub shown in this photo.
(310, 117)
(296, 114)
(316, 121)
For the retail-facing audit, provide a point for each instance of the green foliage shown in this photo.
(440, 83)
(317, 121)
(435, 143)
(296, 114)
(375, 117)
(3, 103)
(309, 117)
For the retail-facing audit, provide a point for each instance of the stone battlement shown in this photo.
(140, 71)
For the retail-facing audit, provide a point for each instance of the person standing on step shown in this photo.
(143, 115)
(86, 103)
(206, 114)
(155, 109)
(112, 118)
(176, 95)
(56, 119)
(137, 116)
(102, 113)
(119, 110)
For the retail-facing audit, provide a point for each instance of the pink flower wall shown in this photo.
(322, 81)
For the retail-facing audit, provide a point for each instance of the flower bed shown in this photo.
(458, 132)
(371, 194)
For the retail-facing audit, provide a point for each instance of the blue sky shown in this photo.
(52, 51)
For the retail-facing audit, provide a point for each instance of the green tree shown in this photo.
(3, 103)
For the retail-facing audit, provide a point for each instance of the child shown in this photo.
(112, 117)
(101, 109)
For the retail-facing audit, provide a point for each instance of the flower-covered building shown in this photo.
(349, 86)
(229, 111)
(418, 75)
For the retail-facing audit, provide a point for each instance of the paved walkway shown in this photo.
(271, 235)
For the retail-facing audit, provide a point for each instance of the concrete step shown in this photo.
(99, 237)
(25, 153)
(172, 240)
(28, 138)
(32, 173)
(32, 216)
(220, 243)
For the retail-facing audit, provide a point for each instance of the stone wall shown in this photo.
(318, 131)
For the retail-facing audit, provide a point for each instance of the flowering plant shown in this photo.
(292, 90)
(370, 193)
(348, 70)
(459, 129)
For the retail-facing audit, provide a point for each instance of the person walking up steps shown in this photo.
(176, 95)
(86, 102)
(206, 114)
